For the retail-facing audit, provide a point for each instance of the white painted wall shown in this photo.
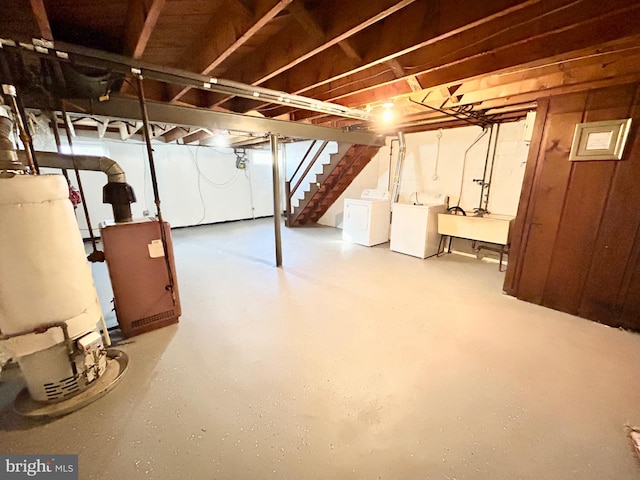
(201, 185)
(434, 164)
(197, 185)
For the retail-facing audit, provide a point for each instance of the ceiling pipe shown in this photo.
(65, 53)
(399, 167)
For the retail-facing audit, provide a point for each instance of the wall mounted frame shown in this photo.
(600, 140)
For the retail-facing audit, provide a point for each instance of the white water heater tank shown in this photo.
(44, 274)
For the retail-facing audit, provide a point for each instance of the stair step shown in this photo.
(335, 177)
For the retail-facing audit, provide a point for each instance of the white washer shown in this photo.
(414, 229)
(366, 219)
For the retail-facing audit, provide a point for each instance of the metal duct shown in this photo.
(117, 191)
(399, 167)
(114, 172)
(8, 157)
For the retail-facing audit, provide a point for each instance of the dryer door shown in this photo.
(357, 222)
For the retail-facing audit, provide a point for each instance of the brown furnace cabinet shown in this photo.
(139, 277)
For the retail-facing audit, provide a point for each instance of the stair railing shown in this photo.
(290, 192)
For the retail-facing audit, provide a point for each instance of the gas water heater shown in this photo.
(49, 308)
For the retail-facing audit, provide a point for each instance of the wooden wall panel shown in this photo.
(618, 244)
(548, 198)
(520, 229)
(631, 305)
(577, 233)
(575, 242)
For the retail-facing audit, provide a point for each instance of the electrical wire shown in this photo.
(464, 164)
(225, 184)
(250, 180)
(202, 202)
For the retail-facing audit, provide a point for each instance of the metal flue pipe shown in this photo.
(117, 191)
(93, 163)
(399, 166)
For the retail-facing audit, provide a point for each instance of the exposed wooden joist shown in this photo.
(458, 59)
(594, 68)
(143, 16)
(311, 25)
(224, 39)
(412, 28)
(40, 14)
(267, 62)
(198, 135)
(174, 134)
(584, 71)
(306, 20)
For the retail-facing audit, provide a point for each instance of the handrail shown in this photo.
(290, 192)
(310, 165)
(304, 157)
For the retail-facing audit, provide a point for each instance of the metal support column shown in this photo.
(276, 198)
(154, 182)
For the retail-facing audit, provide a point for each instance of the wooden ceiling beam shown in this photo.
(40, 14)
(583, 72)
(458, 59)
(413, 28)
(143, 16)
(533, 81)
(352, 17)
(198, 135)
(175, 134)
(225, 39)
(311, 25)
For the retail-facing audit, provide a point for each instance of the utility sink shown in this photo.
(489, 228)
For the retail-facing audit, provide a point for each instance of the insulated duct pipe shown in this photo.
(117, 191)
(399, 166)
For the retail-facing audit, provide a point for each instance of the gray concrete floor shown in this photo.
(350, 363)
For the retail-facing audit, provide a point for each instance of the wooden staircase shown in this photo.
(335, 177)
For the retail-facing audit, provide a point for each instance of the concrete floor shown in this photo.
(350, 363)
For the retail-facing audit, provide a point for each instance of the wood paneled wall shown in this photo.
(576, 239)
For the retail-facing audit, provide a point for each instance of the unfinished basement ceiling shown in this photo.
(477, 61)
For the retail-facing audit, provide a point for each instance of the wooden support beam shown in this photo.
(175, 134)
(593, 68)
(224, 39)
(559, 33)
(311, 25)
(306, 20)
(40, 14)
(143, 16)
(267, 62)
(412, 28)
(198, 135)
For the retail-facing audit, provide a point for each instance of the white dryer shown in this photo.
(414, 228)
(366, 219)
